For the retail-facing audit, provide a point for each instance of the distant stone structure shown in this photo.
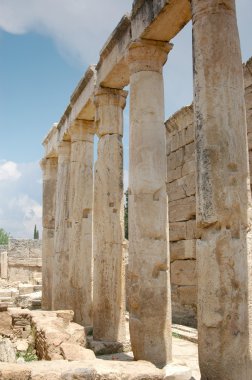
(83, 239)
(22, 261)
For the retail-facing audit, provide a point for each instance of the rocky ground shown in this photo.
(19, 294)
(38, 345)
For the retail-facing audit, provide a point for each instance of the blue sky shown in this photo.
(45, 47)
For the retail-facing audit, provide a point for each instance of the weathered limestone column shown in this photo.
(149, 297)
(81, 205)
(223, 196)
(4, 265)
(109, 276)
(61, 287)
(49, 167)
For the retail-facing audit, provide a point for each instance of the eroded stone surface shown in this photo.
(223, 194)
(149, 293)
(109, 272)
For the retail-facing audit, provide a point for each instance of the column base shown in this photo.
(173, 371)
(105, 348)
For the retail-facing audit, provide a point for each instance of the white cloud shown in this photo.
(29, 210)
(78, 27)
(9, 171)
(20, 200)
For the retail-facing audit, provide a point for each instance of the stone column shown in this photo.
(109, 276)
(223, 196)
(149, 294)
(61, 287)
(4, 265)
(49, 167)
(81, 205)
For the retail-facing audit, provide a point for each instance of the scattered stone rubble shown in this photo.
(19, 294)
(53, 336)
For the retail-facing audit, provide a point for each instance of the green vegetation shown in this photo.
(4, 237)
(28, 356)
(176, 335)
(36, 233)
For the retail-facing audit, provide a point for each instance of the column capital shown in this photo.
(49, 164)
(82, 130)
(64, 149)
(109, 104)
(148, 55)
(105, 96)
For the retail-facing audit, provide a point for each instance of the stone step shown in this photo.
(37, 287)
(5, 293)
(25, 289)
(185, 332)
(5, 299)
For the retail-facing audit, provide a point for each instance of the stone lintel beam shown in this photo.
(109, 106)
(50, 142)
(81, 104)
(154, 20)
(159, 20)
(112, 69)
(149, 295)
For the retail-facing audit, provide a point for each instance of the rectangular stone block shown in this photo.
(183, 272)
(182, 209)
(184, 295)
(190, 134)
(175, 159)
(188, 183)
(174, 174)
(4, 265)
(188, 167)
(178, 140)
(190, 151)
(175, 191)
(177, 231)
(191, 229)
(183, 250)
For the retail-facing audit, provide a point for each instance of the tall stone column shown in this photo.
(61, 298)
(223, 196)
(149, 296)
(81, 206)
(49, 167)
(109, 276)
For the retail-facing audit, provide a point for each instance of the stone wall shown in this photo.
(182, 213)
(24, 260)
(181, 180)
(3, 248)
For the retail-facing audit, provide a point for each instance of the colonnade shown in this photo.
(83, 259)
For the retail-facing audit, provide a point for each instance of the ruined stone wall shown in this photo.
(182, 212)
(181, 180)
(24, 260)
(3, 248)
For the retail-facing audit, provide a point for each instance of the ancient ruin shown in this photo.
(199, 158)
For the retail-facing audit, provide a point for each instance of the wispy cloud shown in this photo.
(78, 27)
(9, 171)
(20, 198)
